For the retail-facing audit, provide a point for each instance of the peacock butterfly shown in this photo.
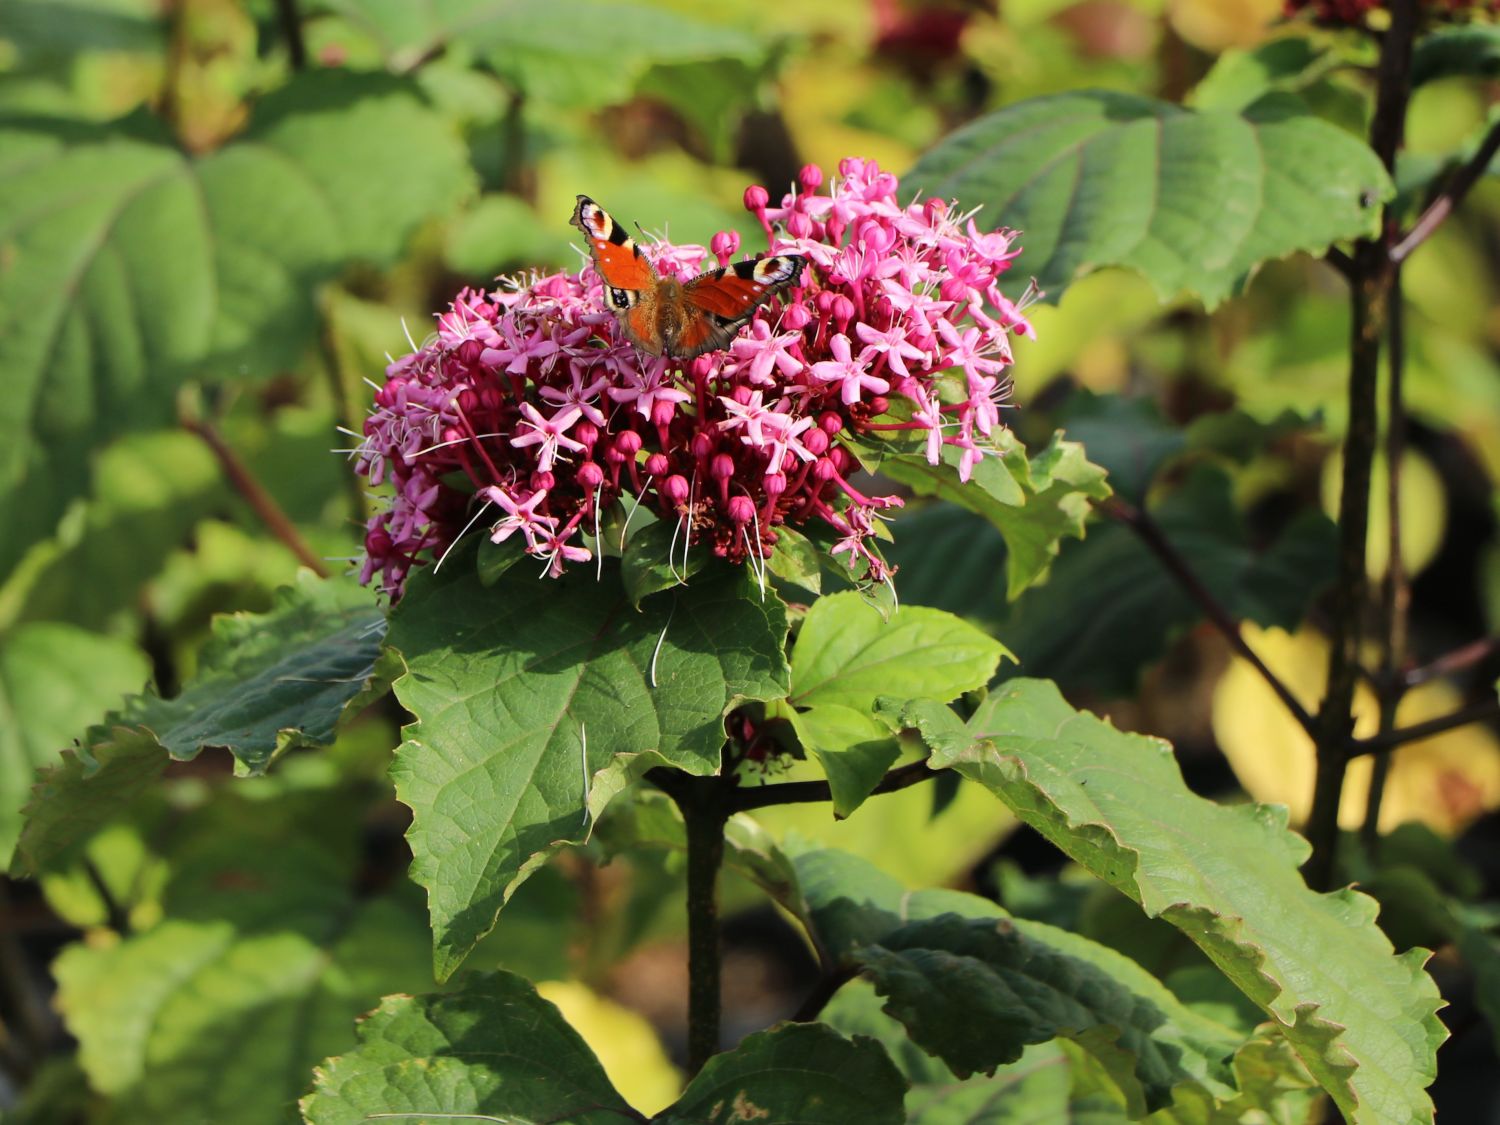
(664, 316)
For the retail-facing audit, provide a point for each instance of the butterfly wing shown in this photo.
(628, 277)
(721, 302)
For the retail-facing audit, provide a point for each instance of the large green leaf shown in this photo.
(1361, 1018)
(494, 1050)
(536, 700)
(1472, 50)
(266, 682)
(1034, 501)
(268, 951)
(1194, 201)
(129, 267)
(1239, 78)
(975, 986)
(55, 680)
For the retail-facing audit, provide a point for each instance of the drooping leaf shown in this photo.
(795, 559)
(266, 682)
(1127, 437)
(1035, 502)
(492, 1047)
(1194, 201)
(853, 747)
(266, 955)
(55, 680)
(1361, 1018)
(537, 700)
(975, 986)
(132, 267)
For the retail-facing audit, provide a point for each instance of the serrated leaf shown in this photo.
(492, 1047)
(186, 267)
(1035, 502)
(268, 953)
(795, 559)
(266, 682)
(1194, 201)
(797, 1074)
(1472, 50)
(975, 986)
(55, 680)
(538, 699)
(656, 558)
(853, 747)
(1362, 1019)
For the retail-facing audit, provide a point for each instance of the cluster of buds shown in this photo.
(529, 414)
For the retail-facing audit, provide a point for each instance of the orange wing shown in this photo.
(616, 256)
(722, 301)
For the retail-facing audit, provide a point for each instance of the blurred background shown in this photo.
(185, 326)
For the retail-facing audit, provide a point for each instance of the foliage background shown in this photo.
(222, 242)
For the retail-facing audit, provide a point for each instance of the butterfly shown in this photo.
(664, 316)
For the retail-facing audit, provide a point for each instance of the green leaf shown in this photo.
(1034, 1088)
(1034, 502)
(1472, 51)
(1194, 201)
(975, 986)
(132, 267)
(1128, 437)
(854, 749)
(847, 654)
(266, 683)
(1239, 78)
(537, 700)
(492, 1047)
(1133, 607)
(1362, 1019)
(796, 559)
(268, 952)
(55, 680)
(796, 1074)
(656, 558)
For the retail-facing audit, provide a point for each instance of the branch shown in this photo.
(1341, 262)
(1452, 194)
(1475, 652)
(1159, 545)
(802, 792)
(291, 31)
(255, 494)
(1381, 743)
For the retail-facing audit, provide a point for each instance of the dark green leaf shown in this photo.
(538, 699)
(1239, 78)
(1472, 50)
(796, 559)
(1361, 1018)
(1128, 437)
(1194, 201)
(656, 558)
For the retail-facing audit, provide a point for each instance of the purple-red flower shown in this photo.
(527, 406)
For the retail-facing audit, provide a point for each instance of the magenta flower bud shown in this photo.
(799, 225)
(879, 404)
(469, 351)
(816, 441)
(724, 244)
(377, 542)
(452, 434)
(741, 509)
(741, 394)
(756, 198)
(657, 465)
(587, 433)
(840, 458)
(830, 423)
(543, 482)
(467, 401)
(702, 445)
(722, 466)
(662, 413)
(934, 209)
(613, 456)
(628, 443)
(823, 302)
(843, 309)
(675, 488)
(811, 177)
(590, 475)
(953, 289)
(823, 470)
(774, 484)
(490, 397)
(796, 318)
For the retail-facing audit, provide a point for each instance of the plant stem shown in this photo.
(291, 31)
(1370, 290)
(1483, 711)
(1450, 197)
(1158, 544)
(803, 792)
(1465, 656)
(255, 494)
(704, 811)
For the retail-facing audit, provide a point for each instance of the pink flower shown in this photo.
(549, 433)
(850, 374)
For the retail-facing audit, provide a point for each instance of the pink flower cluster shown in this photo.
(529, 414)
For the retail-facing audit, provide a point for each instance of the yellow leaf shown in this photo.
(1214, 25)
(1424, 511)
(1444, 782)
(625, 1042)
